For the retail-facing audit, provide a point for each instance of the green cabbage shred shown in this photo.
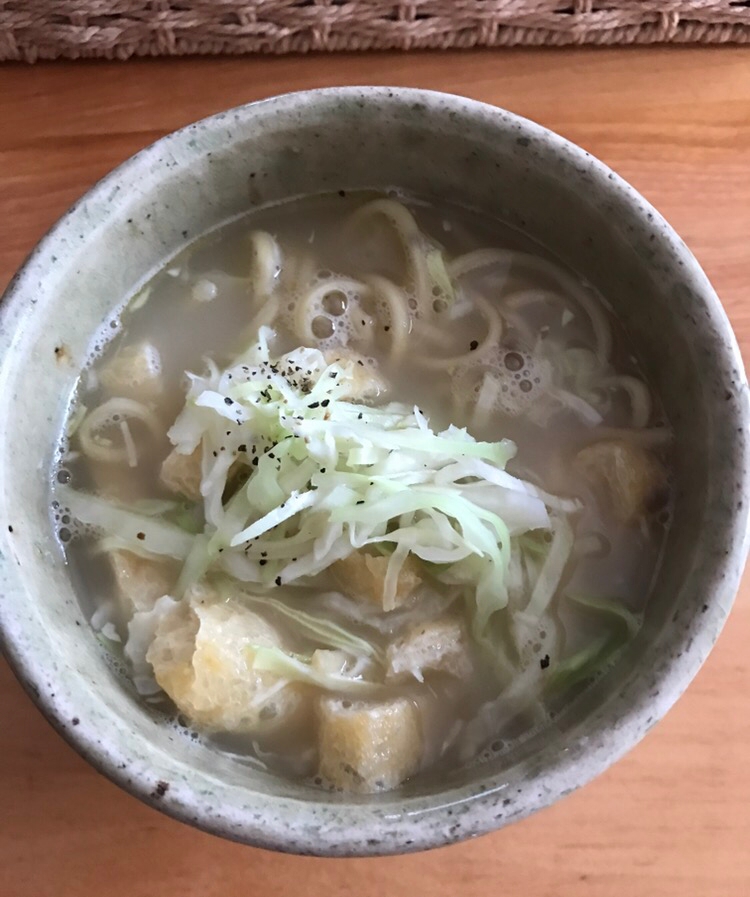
(622, 625)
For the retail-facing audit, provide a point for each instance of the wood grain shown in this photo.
(673, 818)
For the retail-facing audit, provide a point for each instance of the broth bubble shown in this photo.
(335, 303)
(322, 327)
(513, 361)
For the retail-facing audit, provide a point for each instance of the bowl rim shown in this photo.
(362, 829)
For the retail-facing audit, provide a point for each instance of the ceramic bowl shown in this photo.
(435, 146)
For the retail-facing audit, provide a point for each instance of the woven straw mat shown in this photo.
(47, 29)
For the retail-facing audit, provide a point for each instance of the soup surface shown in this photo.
(359, 487)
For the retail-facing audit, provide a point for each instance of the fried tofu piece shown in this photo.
(202, 656)
(134, 372)
(182, 473)
(141, 581)
(368, 746)
(625, 474)
(440, 646)
(362, 576)
(364, 382)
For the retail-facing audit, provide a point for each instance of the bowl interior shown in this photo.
(437, 147)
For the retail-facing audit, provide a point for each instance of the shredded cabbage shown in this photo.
(602, 651)
(552, 569)
(321, 630)
(328, 476)
(296, 474)
(295, 668)
(137, 530)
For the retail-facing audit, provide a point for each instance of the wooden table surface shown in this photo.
(670, 820)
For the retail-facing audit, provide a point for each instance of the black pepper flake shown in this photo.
(10, 529)
(473, 345)
(314, 405)
(228, 401)
(242, 448)
(255, 461)
(342, 193)
(386, 328)
(322, 470)
(361, 501)
(264, 554)
(359, 416)
(140, 536)
(544, 662)
(360, 362)
(325, 403)
(215, 454)
(262, 562)
(278, 580)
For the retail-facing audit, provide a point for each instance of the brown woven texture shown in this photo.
(47, 29)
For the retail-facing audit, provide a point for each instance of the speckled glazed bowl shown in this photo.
(433, 145)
